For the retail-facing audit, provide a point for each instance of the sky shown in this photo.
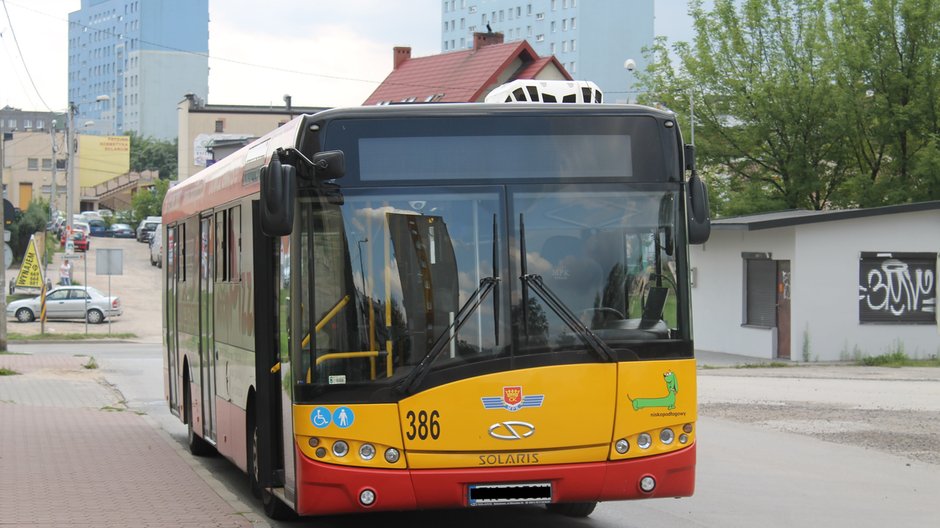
(322, 53)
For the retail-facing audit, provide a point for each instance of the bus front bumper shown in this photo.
(328, 489)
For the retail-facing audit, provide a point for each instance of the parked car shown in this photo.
(68, 302)
(80, 241)
(120, 231)
(98, 228)
(156, 247)
(146, 228)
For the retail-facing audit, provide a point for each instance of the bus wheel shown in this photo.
(254, 468)
(273, 507)
(572, 509)
(197, 446)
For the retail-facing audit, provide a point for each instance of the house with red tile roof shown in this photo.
(463, 76)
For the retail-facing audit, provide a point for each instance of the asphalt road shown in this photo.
(816, 445)
(755, 467)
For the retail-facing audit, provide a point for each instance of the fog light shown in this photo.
(314, 442)
(366, 497)
(366, 451)
(644, 440)
(321, 452)
(687, 428)
(340, 448)
(392, 455)
(666, 436)
(647, 484)
(622, 446)
(683, 438)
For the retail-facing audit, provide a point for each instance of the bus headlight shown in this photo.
(644, 441)
(392, 455)
(666, 436)
(340, 448)
(366, 451)
(622, 446)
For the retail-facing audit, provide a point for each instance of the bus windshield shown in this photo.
(388, 272)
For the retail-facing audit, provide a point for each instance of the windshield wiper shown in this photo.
(548, 296)
(416, 376)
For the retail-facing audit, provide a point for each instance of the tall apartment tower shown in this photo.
(593, 39)
(132, 61)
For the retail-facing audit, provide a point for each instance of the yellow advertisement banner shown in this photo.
(101, 158)
(30, 275)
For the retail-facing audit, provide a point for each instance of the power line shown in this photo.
(251, 64)
(23, 59)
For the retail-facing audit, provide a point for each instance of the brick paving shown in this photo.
(69, 458)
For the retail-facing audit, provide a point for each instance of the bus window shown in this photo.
(366, 326)
(604, 256)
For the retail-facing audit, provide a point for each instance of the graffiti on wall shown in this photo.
(897, 288)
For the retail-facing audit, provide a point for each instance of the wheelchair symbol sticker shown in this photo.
(320, 417)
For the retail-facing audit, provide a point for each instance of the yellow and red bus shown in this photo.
(441, 306)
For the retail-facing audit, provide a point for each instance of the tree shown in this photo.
(810, 103)
(32, 221)
(886, 56)
(149, 202)
(154, 154)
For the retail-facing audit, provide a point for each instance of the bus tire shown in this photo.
(273, 507)
(197, 445)
(254, 468)
(572, 509)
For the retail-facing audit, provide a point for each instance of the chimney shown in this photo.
(400, 54)
(485, 39)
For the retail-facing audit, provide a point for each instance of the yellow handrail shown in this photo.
(346, 355)
(326, 319)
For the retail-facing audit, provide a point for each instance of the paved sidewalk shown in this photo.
(70, 455)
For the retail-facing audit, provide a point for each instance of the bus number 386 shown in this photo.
(426, 425)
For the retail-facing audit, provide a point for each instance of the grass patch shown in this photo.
(897, 359)
(772, 364)
(13, 336)
(91, 364)
(7, 372)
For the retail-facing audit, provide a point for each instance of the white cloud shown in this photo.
(352, 39)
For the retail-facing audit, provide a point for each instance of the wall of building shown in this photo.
(198, 127)
(825, 288)
(22, 182)
(130, 61)
(605, 33)
(718, 292)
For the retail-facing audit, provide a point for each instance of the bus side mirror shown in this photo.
(329, 165)
(278, 193)
(700, 225)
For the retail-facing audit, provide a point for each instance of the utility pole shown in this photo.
(3, 274)
(53, 208)
(70, 168)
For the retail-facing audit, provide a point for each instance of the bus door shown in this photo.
(172, 350)
(206, 335)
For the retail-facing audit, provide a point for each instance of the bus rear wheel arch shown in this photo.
(197, 445)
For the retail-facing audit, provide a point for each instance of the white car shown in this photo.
(156, 247)
(68, 302)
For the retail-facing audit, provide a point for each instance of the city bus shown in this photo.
(441, 306)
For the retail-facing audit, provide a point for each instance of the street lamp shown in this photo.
(105, 98)
(630, 66)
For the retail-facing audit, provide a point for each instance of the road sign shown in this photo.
(30, 275)
(109, 262)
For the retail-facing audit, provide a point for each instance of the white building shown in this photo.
(820, 285)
